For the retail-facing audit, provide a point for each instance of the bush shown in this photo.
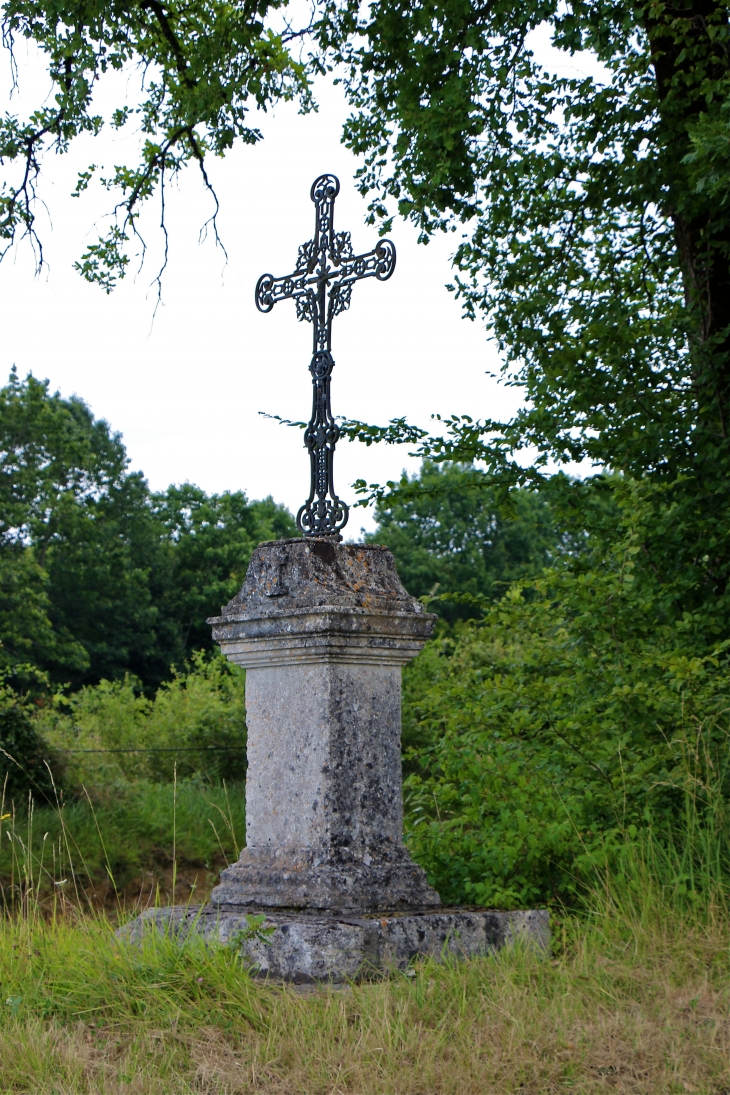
(564, 726)
(112, 732)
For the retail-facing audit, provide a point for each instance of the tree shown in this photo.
(448, 536)
(56, 463)
(594, 210)
(98, 576)
(108, 571)
(27, 633)
(52, 448)
(200, 68)
(595, 221)
(211, 538)
(593, 214)
(79, 541)
(596, 207)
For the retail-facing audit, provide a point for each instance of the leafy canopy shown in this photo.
(454, 545)
(593, 209)
(200, 68)
(594, 212)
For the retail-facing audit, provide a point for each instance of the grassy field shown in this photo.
(634, 996)
(626, 1003)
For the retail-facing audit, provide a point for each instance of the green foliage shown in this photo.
(26, 628)
(77, 538)
(211, 63)
(212, 537)
(594, 224)
(546, 736)
(145, 782)
(593, 211)
(194, 726)
(449, 536)
(98, 576)
(52, 449)
(106, 567)
(26, 762)
(594, 220)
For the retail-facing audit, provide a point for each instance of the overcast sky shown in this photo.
(185, 391)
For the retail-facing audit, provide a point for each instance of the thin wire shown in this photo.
(166, 749)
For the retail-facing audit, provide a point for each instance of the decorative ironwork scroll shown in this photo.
(321, 288)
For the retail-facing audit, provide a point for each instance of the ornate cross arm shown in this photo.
(321, 287)
(378, 263)
(302, 286)
(270, 290)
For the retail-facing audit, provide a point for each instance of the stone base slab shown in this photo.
(307, 949)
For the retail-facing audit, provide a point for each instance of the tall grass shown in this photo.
(637, 1005)
(680, 871)
(145, 794)
(120, 846)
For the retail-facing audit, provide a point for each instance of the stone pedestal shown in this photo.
(311, 949)
(322, 630)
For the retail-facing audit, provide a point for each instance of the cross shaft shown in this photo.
(321, 287)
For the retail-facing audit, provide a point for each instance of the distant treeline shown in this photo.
(99, 575)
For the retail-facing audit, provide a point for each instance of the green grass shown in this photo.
(626, 1003)
(634, 996)
(123, 843)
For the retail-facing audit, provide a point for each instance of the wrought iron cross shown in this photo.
(321, 287)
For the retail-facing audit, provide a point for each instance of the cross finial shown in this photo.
(321, 287)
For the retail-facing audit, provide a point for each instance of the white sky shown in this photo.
(186, 389)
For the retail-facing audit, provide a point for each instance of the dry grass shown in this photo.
(622, 1006)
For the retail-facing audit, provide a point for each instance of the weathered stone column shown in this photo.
(323, 630)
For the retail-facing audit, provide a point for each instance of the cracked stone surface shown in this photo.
(320, 949)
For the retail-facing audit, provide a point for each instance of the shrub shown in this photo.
(25, 758)
(566, 724)
(112, 732)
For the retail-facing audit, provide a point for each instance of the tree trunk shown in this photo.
(686, 56)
